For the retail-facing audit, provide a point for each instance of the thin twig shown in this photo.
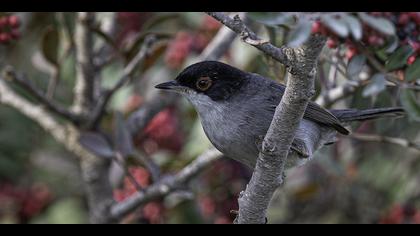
(384, 139)
(126, 76)
(249, 37)
(121, 163)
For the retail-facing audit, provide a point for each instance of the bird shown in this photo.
(236, 109)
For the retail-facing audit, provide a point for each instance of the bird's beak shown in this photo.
(171, 85)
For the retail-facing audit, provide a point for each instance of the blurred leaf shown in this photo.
(393, 44)
(158, 19)
(399, 58)
(337, 25)
(298, 35)
(66, 211)
(272, 18)
(97, 144)
(382, 25)
(356, 65)
(377, 85)
(413, 71)
(49, 45)
(410, 104)
(122, 138)
(354, 25)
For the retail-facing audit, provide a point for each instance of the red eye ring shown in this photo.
(203, 83)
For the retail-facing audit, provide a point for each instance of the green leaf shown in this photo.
(49, 45)
(399, 58)
(413, 71)
(272, 18)
(337, 25)
(380, 24)
(354, 25)
(298, 35)
(377, 85)
(410, 104)
(356, 65)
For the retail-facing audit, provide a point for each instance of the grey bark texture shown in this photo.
(269, 170)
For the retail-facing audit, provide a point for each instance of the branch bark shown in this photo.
(249, 37)
(85, 69)
(167, 185)
(269, 170)
(27, 85)
(93, 168)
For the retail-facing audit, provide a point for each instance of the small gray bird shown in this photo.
(236, 109)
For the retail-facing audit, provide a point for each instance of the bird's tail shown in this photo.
(348, 115)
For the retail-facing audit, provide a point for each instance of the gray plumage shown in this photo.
(235, 121)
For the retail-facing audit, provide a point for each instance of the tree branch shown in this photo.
(126, 76)
(167, 185)
(333, 95)
(85, 69)
(249, 37)
(268, 172)
(384, 139)
(29, 87)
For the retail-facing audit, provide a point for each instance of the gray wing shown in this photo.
(313, 112)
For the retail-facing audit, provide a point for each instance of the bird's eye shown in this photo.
(203, 83)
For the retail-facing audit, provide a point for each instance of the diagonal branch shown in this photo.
(167, 185)
(29, 87)
(249, 37)
(384, 139)
(126, 76)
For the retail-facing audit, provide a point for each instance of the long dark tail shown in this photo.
(348, 115)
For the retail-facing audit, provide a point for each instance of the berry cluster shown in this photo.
(27, 202)
(9, 28)
(186, 42)
(401, 214)
(216, 204)
(407, 25)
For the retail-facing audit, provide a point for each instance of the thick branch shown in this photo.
(249, 37)
(85, 69)
(271, 161)
(167, 185)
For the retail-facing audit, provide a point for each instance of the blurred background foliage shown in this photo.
(353, 181)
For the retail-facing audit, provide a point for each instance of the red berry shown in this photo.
(411, 59)
(5, 38)
(316, 27)
(331, 43)
(403, 19)
(14, 21)
(350, 53)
